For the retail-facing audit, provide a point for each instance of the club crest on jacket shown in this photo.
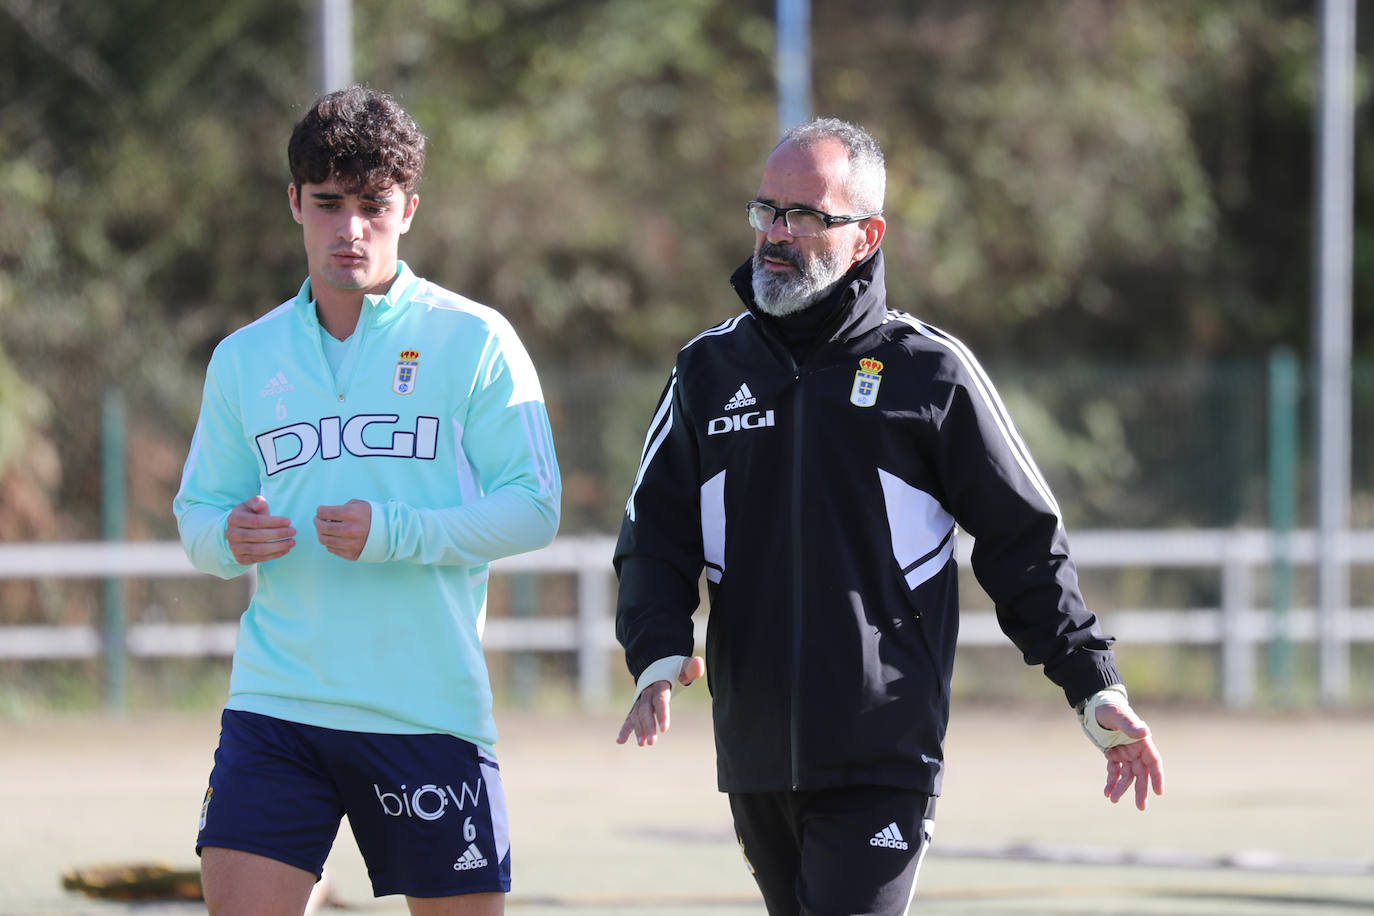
(866, 382)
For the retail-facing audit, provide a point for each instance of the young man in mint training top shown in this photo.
(370, 446)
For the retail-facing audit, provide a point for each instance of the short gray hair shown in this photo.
(867, 183)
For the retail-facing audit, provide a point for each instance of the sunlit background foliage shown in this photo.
(1111, 202)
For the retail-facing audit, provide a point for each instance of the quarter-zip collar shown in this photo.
(857, 305)
(377, 309)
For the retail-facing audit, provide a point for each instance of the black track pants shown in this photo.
(849, 851)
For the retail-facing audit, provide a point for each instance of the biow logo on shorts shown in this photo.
(428, 802)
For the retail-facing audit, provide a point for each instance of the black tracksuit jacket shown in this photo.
(822, 495)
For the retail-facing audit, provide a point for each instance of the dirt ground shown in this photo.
(1263, 815)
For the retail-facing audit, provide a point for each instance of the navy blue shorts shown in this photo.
(428, 811)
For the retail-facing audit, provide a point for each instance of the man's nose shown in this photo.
(351, 227)
(778, 231)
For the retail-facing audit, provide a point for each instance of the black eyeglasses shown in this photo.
(802, 222)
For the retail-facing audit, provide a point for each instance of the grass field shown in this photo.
(1263, 815)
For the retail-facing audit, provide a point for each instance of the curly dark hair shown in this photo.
(362, 138)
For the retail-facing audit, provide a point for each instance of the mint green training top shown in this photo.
(436, 418)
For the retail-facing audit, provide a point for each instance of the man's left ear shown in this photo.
(411, 203)
(873, 229)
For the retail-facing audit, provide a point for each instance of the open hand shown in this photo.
(649, 715)
(1137, 763)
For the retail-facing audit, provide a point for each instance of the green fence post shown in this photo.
(113, 461)
(1283, 483)
(524, 666)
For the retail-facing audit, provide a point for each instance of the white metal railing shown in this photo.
(1238, 626)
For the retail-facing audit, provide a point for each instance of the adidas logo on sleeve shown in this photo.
(889, 837)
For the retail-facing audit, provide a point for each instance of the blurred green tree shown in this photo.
(1069, 182)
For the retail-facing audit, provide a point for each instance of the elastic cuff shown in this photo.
(378, 541)
(1105, 738)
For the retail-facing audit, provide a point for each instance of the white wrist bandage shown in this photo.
(665, 669)
(1105, 738)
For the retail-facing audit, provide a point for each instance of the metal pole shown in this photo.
(1283, 510)
(794, 63)
(335, 44)
(1334, 217)
(113, 463)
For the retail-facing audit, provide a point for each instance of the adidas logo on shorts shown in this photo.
(741, 398)
(470, 859)
(889, 837)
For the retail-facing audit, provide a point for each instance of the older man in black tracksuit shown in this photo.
(816, 455)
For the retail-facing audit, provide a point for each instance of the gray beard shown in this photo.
(780, 296)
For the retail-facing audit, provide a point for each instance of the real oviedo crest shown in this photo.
(403, 382)
(866, 382)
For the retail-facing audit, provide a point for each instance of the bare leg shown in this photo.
(321, 895)
(466, 905)
(240, 883)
